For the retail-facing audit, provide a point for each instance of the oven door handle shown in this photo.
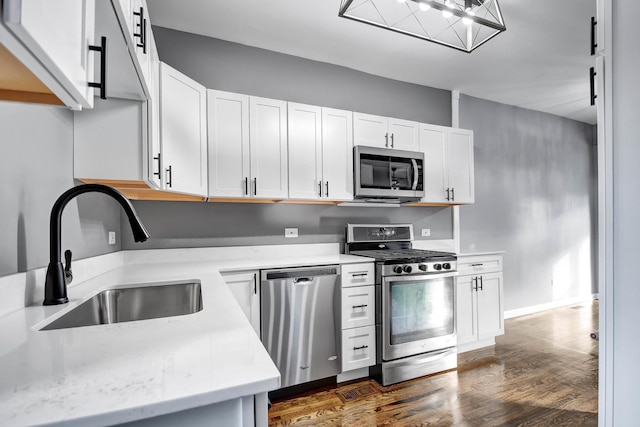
(431, 357)
(414, 278)
(415, 174)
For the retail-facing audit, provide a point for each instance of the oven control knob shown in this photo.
(437, 267)
(407, 269)
(446, 266)
(423, 267)
(397, 269)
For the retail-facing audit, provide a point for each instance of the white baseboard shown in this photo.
(509, 314)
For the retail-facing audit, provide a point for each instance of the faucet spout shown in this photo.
(55, 287)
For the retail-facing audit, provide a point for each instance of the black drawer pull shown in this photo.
(360, 274)
(360, 306)
(362, 347)
(477, 265)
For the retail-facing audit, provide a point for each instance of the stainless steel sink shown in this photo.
(134, 303)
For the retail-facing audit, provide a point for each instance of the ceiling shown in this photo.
(541, 62)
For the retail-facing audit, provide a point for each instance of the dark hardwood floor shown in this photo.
(543, 371)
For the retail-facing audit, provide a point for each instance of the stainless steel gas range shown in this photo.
(415, 302)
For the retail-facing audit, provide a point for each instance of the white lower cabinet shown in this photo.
(358, 348)
(357, 316)
(245, 288)
(479, 301)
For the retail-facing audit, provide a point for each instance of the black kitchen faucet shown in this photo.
(55, 286)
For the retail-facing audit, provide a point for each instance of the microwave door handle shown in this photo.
(415, 174)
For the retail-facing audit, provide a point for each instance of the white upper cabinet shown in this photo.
(461, 178)
(228, 128)
(136, 25)
(154, 158)
(52, 39)
(337, 154)
(183, 132)
(320, 153)
(305, 151)
(247, 146)
(384, 132)
(448, 168)
(268, 130)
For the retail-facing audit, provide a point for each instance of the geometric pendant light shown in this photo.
(460, 24)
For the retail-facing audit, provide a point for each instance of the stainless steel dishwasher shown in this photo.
(298, 322)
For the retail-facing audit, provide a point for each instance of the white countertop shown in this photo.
(115, 373)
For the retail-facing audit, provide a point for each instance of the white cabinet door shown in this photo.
(183, 132)
(268, 129)
(490, 306)
(245, 289)
(461, 179)
(305, 151)
(466, 327)
(358, 348)
(370, 130)
(433, 143)
(337, 154)
(58, 34)
(228, 127)
(448, 170)
(403, 135)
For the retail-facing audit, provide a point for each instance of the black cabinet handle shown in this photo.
(102, 85)
(142, 35)
(360, 306)
(594, 42)
(477, 265)
(448, 194)
(170, 174)
(386, 139)
(474, 284)
(453, 194)
(481, 284)
(255, 186)
(392, 142)
(159, 165)
(362, 347)
(320, 189)
(592, 81)
(246, 186)
(326, 193)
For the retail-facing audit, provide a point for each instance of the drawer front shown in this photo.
(358, 274)
(479, 264)
(358, 306)
(358, 348)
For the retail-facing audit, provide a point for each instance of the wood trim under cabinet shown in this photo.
(140, 190)
(18, 83)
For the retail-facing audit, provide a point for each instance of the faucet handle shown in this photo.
(68, 274)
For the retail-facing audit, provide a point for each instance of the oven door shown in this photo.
(417, 314)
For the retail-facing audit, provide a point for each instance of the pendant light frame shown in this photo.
(348, 9)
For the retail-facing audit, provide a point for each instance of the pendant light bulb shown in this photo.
(446, 13)
(424, 7)
(467, 20)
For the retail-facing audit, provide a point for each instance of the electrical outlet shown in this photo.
(290, 232)
(112, 237)
(425, 232)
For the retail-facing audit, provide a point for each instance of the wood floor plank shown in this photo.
(543, 371)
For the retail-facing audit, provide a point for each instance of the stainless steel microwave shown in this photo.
(384, 174)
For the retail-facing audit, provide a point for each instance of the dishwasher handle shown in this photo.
(307, 273)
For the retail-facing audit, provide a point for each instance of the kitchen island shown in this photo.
(206, 367)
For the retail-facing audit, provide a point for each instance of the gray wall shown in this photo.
(624, 291)
(535, 199)
(233, 67)
(189, 224)
(37, 166)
